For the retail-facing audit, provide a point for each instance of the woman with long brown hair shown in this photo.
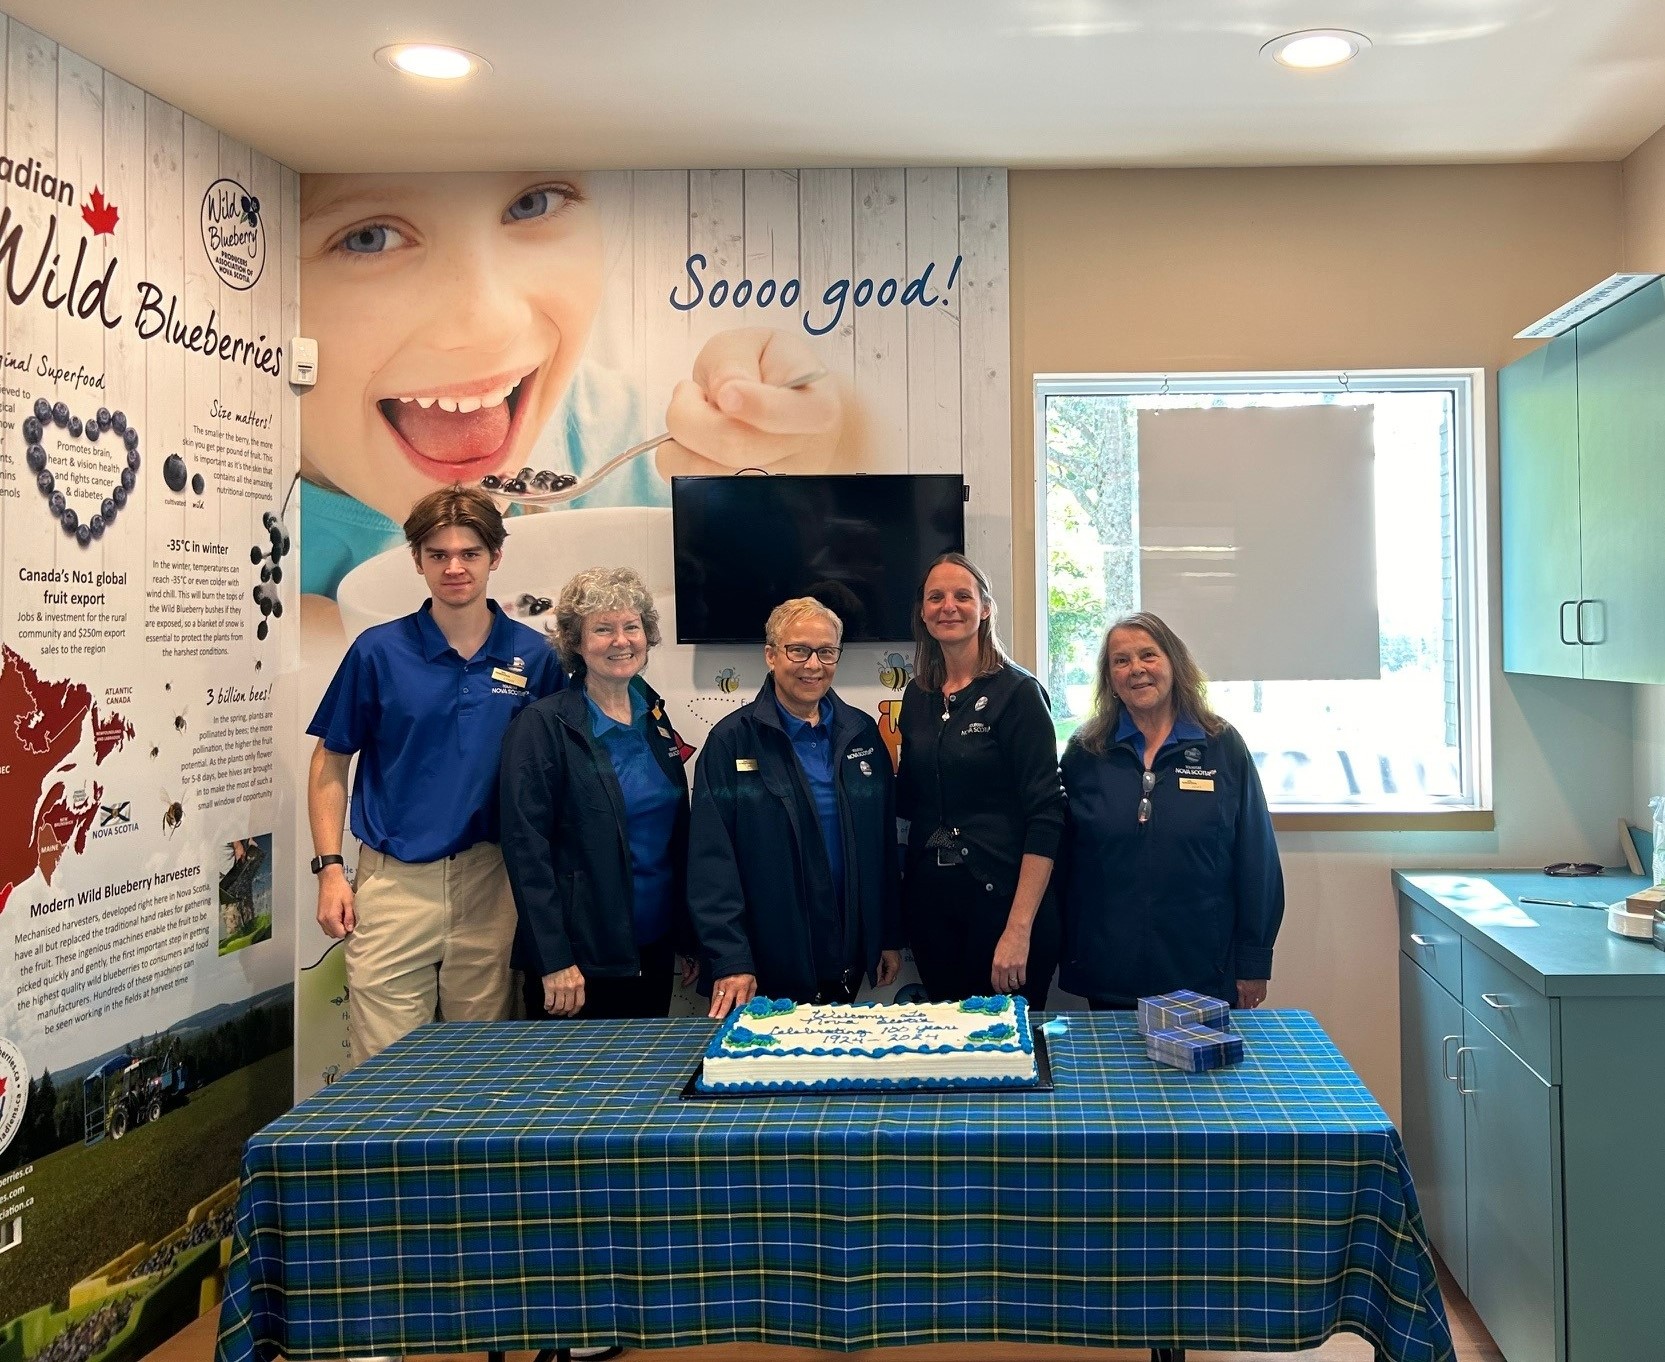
(978, 786)
(1172, 877)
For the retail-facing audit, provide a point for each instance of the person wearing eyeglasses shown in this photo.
(978, 789)
(1169, 867)
(792, 870)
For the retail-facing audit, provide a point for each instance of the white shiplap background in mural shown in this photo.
(153, 163)
(933, 383)
(120, 915)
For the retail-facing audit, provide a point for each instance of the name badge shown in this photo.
(1193, 783)
(745, 763)
(507, 677)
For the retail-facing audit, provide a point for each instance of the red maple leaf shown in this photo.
(100, 216)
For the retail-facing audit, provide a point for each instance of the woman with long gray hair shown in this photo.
(1171, 875)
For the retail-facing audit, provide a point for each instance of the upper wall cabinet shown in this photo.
(1537, 408)
(1582, 474)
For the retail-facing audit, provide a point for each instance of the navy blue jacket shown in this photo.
(566, 844)
(757, 869)
(1191, 899)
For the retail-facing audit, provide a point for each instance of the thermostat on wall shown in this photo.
(303, 361)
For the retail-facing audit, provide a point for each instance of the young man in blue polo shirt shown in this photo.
(792, 868)
(424, 702)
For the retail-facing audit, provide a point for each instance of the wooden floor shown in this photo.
(1474, 1344)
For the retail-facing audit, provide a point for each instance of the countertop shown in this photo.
(1561, 952)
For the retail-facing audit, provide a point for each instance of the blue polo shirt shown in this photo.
(650, 808)
(812, 745)
(1183, 731)
(428, 729)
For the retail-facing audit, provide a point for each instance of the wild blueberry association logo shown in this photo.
(233, 234)
(14, 1091)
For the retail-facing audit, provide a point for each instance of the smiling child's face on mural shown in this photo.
(450, 313)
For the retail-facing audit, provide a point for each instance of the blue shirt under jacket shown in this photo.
(1191, 898)
(812, 745)
(651, 806)
(428, 728)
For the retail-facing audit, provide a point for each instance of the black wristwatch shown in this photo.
(319, 862)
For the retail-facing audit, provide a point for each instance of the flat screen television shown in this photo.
(858, 543)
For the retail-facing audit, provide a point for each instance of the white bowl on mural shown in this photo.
(542, 552)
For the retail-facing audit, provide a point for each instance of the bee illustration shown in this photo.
(155, 751)
(178, 723)
(167, 685)
(895, 671)
(257, 664)
(251, 210)
(173, 813)
(727, 681)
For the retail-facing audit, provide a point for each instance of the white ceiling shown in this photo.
(741, 83)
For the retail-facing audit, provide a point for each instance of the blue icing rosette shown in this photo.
(999, 1031)
(769, 1007)
(749, 1040)
(987, 1006)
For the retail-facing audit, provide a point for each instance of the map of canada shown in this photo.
(42, 723)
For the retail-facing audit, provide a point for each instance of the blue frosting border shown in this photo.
(864, 1084)
(1023, 1043)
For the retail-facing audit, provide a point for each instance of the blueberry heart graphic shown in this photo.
(46, 414)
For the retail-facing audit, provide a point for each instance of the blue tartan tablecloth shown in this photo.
(520, 1185)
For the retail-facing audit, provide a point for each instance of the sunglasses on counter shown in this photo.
(1572, 869)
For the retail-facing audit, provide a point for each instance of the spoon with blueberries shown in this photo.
(545, 487)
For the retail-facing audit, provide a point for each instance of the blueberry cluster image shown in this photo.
(102, 422)
(268, 558)
(529, 479)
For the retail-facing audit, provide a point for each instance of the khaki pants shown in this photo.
(430, 937)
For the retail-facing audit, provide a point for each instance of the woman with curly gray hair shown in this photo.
(595, 816)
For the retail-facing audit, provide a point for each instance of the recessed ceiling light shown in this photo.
(431, 61)
(1315, 49)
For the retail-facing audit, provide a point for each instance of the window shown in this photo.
(1406, 731)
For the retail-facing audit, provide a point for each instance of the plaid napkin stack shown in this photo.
(1188, 1031)
(1182, 1008)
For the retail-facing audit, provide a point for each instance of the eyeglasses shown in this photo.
(799, 652)
(1148, 783)
(1572, 869)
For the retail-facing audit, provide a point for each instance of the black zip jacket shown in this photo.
(565, 841)
(988, 775)
(1192, 898)
(757, 869)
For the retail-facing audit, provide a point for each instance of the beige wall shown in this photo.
(1642, 181)
(1333, 269)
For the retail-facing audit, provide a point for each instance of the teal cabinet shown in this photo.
(1537, 409)
(1512, 1135)
(1430, 1033)
(1532, 1146)
(1581, 432)
(1621, 441)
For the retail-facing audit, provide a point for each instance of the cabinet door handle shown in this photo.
(1445, 1061)
(1570, 642)
(1495, 1000)
(1578, 618)
(1461, 1051)
(1421, 940)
